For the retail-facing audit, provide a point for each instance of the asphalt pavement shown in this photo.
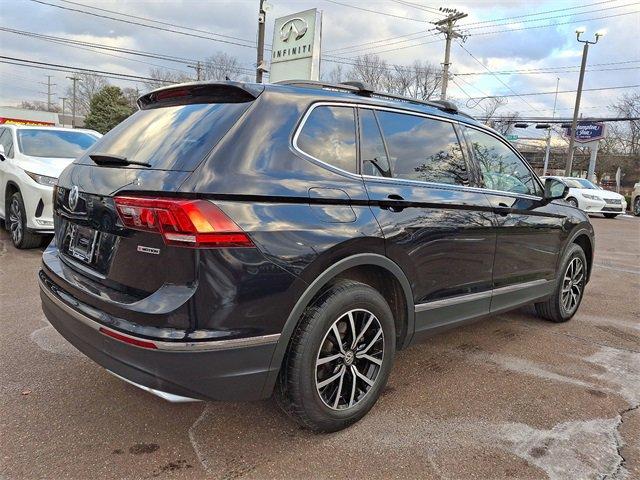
(511, 396)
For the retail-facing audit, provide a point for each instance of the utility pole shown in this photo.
(49, 85)
(576, 110)
(446, 26)
(198, 68)
(75, 80)
(262, 17)
(547, 150)
(64, 104)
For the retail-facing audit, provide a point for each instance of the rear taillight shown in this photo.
(182, 222)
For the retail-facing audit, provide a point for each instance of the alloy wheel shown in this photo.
(349, 359)
(572, 285)
(15, 221)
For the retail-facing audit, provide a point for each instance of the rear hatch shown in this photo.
(146, 157)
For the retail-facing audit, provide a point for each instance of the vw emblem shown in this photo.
(296, 27)
(74, 194)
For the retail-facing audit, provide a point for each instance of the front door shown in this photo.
(439, 231)
(529, 229)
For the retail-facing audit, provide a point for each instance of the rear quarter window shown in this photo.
(329, 134)
(170, 138)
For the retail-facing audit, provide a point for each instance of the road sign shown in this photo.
(512, 138)
(588, 132)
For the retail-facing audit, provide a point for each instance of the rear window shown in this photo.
(171, 138)
(54, 143)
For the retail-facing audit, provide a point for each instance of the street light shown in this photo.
(576, 109)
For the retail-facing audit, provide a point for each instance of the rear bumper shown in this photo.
(218, 370)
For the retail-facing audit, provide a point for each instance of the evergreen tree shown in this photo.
(108, 108)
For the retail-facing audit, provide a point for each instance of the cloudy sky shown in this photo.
(502, 36)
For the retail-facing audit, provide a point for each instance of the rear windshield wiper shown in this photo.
(108, 159)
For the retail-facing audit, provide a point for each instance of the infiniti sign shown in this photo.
(295, 27)
(295, 52)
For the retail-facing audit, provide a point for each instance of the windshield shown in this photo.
(587, 184)
(54, 143)
(170, 138)
(571, 183)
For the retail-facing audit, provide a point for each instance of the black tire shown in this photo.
(21, 237)
(573, 202)
(298, 390)
(636, 207)
(610, 215)
(556, 308)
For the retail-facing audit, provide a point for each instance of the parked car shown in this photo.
(635, 199)
(31, 159)
(589, 197)
(232, 240)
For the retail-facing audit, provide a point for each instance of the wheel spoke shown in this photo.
(375, 339)
(363, 331)
(353, 386)
(364, 378)
(352, 324)
(339, 392)
(331, 379)
(375, 360)
(330, 358)
(335, 331)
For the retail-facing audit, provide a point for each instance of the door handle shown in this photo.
(502, 209)
(394, 203)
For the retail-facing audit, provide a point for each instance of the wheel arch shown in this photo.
(354, 267)
(584, 238)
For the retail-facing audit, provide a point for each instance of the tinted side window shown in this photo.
(329, 134)
(423, 149)
(372, 152)
(6, 141)
(501, 168)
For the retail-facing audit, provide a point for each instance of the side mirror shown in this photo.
(3, 156)
(554, 189)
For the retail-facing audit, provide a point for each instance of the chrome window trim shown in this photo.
(518, 155)
(448, 302)
(205, 346)
(419, 183)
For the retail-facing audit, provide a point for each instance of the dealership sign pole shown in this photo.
(589, 134)
(295, 53)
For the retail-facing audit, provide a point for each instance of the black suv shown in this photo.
(230, 240)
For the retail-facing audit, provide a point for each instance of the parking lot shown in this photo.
(510, 396)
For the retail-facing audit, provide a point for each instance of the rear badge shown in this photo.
(153, 251)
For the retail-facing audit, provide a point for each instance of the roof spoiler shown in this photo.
(200, 92)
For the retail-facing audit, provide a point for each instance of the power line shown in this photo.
(72, 69)
(195, 35)
(384, 40)
(375, 11)
(582, 20)
(600, 89)
(494, 76)
(548, 69)
(536, 14)
(160, 22)
(420, 7)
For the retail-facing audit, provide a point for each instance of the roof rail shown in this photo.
(360, 88)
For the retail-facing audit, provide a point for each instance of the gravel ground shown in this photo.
(510, 396)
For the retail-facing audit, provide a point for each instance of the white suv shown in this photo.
(31, 159)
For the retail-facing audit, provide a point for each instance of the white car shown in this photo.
(592, 199)
(31, 160)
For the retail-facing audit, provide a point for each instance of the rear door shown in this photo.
(528, 228)
(437, 229)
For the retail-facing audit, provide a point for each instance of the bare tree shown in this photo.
(504, 124)
(421, 80)
(132, 95)
(38, 105)
(221, 66)
(86, 88)
(163, 77)
(372, 70)
(336, 75)
(625, 136)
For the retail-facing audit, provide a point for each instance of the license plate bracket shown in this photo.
(82, 243)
